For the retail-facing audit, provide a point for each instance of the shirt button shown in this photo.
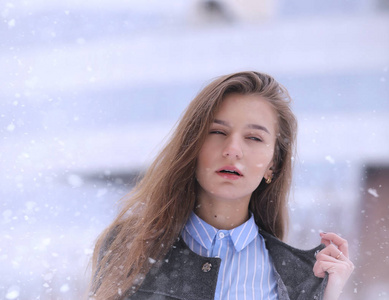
(206, 267)
(221, 235)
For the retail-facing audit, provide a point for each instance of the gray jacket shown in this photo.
(187, 276)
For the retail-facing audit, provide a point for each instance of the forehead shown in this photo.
(251, 108)
(244, 100)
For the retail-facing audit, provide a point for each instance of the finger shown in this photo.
(323, 256)
(332, 238)
(325, 241)
(330, 265)
(321, 267)
(333, 254)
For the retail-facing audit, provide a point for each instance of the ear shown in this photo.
(269, 172)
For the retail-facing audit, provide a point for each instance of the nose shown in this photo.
(233, 149)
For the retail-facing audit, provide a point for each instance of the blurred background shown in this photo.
(89, 91)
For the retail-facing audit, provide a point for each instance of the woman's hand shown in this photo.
(334, 260)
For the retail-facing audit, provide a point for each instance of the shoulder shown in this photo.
(276, 247)
(295, 267)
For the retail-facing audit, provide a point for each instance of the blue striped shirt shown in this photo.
(246, 270)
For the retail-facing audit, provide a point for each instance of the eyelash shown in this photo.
(255, 139)
(217, 132)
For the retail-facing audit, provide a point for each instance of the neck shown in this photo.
(222, 215)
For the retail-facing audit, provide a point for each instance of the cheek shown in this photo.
(206, 155)
(263, 159)
(259, 171)
(203, 166)
(262, 164)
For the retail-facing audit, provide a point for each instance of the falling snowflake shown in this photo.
(373, 192)
(64, 288)
(11, 23)
(330, 159)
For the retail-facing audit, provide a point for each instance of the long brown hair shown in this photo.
(155, 212)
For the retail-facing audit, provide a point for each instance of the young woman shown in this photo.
(208, 218)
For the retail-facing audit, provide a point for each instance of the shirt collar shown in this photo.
(200, 230)
(244, 234)
(205, 234)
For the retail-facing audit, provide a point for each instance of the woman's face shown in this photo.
(238, 150)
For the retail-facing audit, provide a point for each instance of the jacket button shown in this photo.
(206, 267)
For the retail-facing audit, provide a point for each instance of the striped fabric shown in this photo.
(246, 270)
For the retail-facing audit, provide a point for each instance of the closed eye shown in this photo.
(217, 132)
(253, 138)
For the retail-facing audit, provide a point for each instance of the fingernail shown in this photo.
(323, 232)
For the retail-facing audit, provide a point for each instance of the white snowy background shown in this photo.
(89, 90)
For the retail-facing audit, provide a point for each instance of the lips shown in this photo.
(229, 170)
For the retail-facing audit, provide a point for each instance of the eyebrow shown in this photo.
(252, 126)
